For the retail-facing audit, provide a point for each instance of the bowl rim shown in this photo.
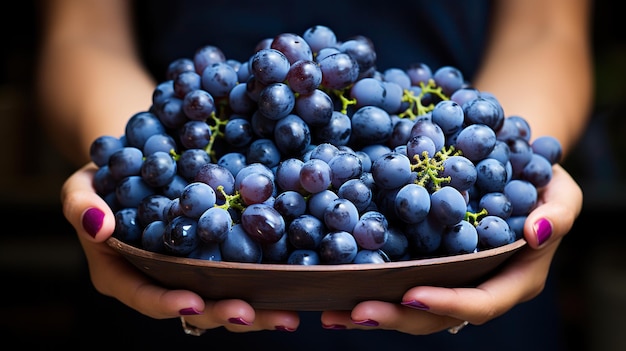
(130, 250)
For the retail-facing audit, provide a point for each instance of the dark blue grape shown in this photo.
(127, 227)
(180, 237)
(304, 257)
(263, 223)
(461, 238)
(338, 247)
(102, 148)
(494, 231)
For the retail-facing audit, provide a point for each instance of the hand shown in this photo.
(428, 309)
(113, 276)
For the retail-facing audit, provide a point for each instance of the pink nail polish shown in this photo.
(367, 323)
(92, 221)
(416, 305)
(189, 311)
(543, 229)
(334, 326)
(239, 321)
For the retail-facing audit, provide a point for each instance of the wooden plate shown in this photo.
(313, 288)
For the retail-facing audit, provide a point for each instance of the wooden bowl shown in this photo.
(313, 288)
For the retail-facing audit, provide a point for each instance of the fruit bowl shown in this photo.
(314, 287)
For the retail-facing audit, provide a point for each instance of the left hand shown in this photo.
(430, 309)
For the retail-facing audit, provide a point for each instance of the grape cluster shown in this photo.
(306, 153)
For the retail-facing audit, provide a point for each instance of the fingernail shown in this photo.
(92, 221)
(415, 304)
(367, 323)
(239, 320)
(285, 329)
(189, 311)
(334, 326)
(543, 228)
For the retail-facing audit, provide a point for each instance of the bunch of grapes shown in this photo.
(306, 153)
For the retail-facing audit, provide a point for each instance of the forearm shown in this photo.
(539, 66)
(91, 80)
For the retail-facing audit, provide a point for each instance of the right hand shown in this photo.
(112, 275)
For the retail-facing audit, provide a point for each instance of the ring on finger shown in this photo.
(457, 328)
(191, 329)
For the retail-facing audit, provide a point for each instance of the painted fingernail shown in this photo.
(92, 221)
(239, 320)
(189, 311)
(367, 323)
(543, 229)
(416, 304)
(285, 329)
(334, 326)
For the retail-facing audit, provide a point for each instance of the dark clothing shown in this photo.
(403, 32)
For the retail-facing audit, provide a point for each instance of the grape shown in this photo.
(186, 82)
(158, 169)
(341, 215)
(160, 142)
(219, 79)
(152, 236)
(238, 246)
(303, 257)
(140, 127)
(370, 231)
(125, 162)
(151, 208)
(344, 166)
(198, 104)
(339, 70)
(449, 116)
(460, 238)
(412, 203)
(304, 76)
(214, 225)
(293, 46)
(276, 101)
(476, 141)
(370, 256)
(308, 153)
(357, 192)
(292, 135)
(180, 236)
(263, 223)
(447, 205)
(338, 247)
(290, 204)
(523, 196)
(315, 175)
(548, 147)
(319, 37)
(306, 232)
(391, 171)
(196, 198)
(127, 228)
(449, 78)
(269, 66)
(371, 125)
(494, 231)
(102, 148)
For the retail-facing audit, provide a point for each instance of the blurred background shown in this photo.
(48, 299)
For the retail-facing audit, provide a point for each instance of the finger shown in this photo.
(88, 213)
(238, 316)
(521, 279)
(389, 316)
(559, 204)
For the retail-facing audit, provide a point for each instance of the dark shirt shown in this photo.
(403, 32)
